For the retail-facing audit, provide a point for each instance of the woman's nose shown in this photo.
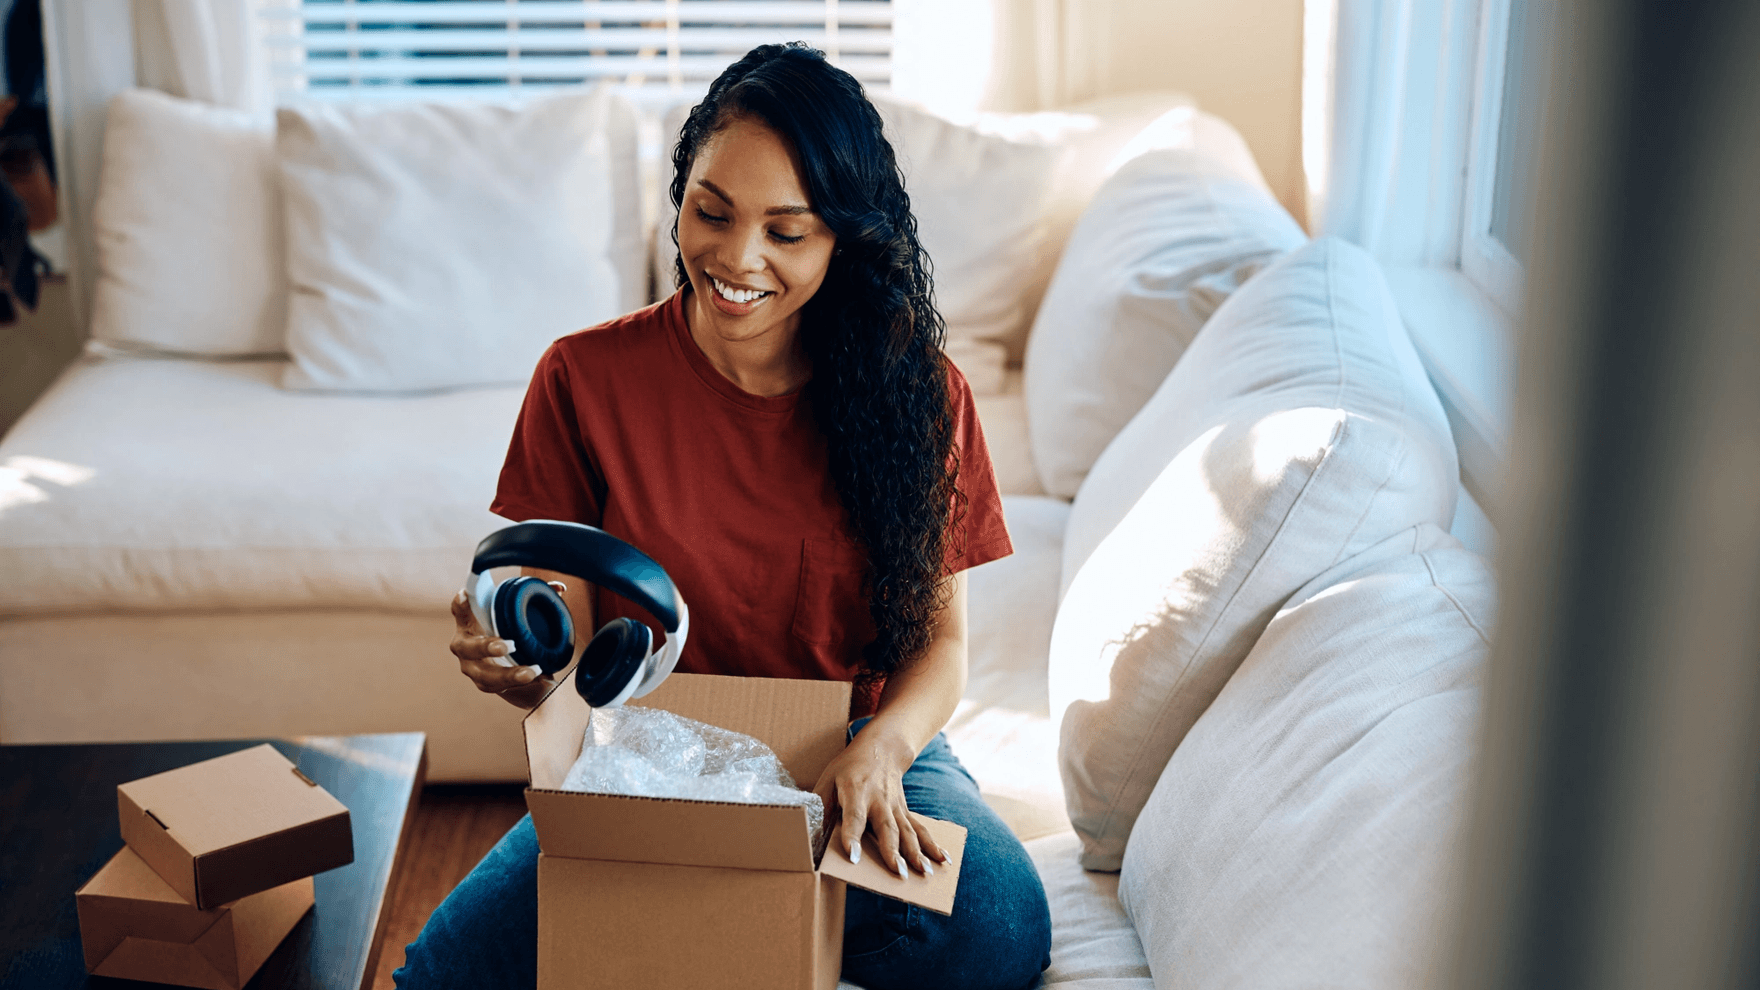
(743, 251)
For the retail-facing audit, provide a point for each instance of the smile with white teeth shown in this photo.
(733, 295)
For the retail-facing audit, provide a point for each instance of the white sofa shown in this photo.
(195, 552)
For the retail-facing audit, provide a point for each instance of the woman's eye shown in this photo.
(784, 238)
(709, 217)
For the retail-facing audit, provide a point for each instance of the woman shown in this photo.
(784, 436)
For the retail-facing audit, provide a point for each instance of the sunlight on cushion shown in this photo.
(16, 474)
(1172, 129)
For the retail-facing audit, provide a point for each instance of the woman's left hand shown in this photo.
(863, 790)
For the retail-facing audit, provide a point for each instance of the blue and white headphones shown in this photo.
(619, 663)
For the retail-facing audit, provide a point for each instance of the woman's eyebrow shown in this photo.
(712, 187)
(774, 211)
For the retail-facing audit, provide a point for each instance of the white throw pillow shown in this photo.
(981, 203)
(1298, 430)
(1304, 833)
(1166, 239)
(442, 245)
(187, 225)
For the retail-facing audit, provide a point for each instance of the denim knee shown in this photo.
(485, 933)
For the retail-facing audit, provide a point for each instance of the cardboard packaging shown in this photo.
(134, 926)
(665, 893)
(226, 828)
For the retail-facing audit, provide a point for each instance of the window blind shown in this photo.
(434, 49)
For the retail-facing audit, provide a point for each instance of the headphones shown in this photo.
(619, 662)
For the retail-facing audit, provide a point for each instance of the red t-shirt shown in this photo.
(628, 427)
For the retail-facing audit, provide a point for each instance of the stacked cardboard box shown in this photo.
(216, 869)
(669, 894)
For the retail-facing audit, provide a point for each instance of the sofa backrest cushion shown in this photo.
(1304, 833)
(981, 203)
(1166, 239)
(187, 225)
(441, 245)
(1297, 431)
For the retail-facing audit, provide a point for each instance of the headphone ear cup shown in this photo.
(530, 614)
(614, 658)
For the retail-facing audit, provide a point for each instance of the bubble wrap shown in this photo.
(648, 752)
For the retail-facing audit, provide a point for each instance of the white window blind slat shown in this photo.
(530, 68)
(848, 12)
(444, 49)
(573, 39)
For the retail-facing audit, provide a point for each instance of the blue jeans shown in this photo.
(485, 934)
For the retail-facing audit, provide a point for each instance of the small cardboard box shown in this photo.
(664, 893)
(234, 825)
(134, 926)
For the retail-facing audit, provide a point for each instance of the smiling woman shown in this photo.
(785, 437)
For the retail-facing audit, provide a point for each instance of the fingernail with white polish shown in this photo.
(928, 870)
(855, 855)
(903, 871)
(509, 644)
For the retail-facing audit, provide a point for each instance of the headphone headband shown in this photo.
(588, 553)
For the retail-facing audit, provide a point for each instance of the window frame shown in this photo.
(1484, 260)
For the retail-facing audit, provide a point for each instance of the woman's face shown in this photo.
(753, 247)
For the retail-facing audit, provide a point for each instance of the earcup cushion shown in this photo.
(616, 655)
(532, 616)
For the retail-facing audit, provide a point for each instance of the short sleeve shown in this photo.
(550, 472)
(977, 533)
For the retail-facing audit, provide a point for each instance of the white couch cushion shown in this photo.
(1010, 605)
(1000, 730)
(1303, 834)
(172, 485)
(1297, 430)
(188, 230)
(1004, 417)
(1163, 243)
(980, 202)
(1093, 945)
(439, 245)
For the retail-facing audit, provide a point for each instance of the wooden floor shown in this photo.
(454, 826)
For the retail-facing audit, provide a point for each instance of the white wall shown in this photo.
(1242, 59)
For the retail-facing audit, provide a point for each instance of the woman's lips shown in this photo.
(730, 307)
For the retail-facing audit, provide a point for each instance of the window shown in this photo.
(656, 49)
(1506, 109)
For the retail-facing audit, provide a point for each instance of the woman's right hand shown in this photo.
(488, 661)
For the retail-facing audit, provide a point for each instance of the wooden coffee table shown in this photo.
(58, 826)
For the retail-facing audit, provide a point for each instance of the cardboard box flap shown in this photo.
(165, 961)
(803, 721)
(933, 893)
(661, 830)
(554, 731)
(232, 799)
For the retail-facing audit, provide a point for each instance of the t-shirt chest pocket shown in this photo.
(830, 608)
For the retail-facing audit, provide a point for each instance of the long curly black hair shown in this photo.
(879, 386)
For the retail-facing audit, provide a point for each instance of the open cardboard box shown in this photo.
(132, 925)
(667, 893)
(234, 825)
